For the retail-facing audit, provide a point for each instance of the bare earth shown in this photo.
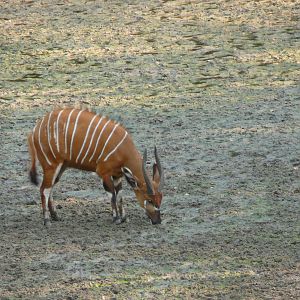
(215, 85)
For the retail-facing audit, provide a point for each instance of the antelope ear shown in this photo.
(156, 176)
(130, 177)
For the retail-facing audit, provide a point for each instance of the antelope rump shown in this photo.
(80, 139)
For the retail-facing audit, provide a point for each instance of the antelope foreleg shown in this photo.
(116, 216)
(50, 175)
(119, 199)
(58, 173)
(109, 187)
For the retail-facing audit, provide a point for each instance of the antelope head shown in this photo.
(148, 190)
(153, 196)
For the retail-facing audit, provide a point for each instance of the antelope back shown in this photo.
(79, 137)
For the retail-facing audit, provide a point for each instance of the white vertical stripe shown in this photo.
(49, 134)
(107, 140)
(108, 155)
(91, 140)
(98, 140)
(74, 131)
(49, 163)
(57, 132)
(86, 136)
(54, 132)
(66, 132)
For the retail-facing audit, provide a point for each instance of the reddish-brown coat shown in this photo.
(77, 139)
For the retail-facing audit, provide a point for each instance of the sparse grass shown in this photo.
(214, 84)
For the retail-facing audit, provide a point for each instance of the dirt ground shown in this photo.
(215, 85)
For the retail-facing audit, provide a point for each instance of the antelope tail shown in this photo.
(32, 172)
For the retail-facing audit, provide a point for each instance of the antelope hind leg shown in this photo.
(50, 175)
(58, 173)
(52, 208)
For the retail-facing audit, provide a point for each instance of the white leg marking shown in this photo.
(123, 211)
(49, 134)
(86, 136)
(57, 132)
(91, 140)
(47, 194)
(119, 196)
(124, 170)
(49, 163)
(117, 181)
(115, 149)
(66, 132)
(99, 140)
(74, 131)
(107, 140)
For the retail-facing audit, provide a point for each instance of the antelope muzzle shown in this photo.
(154, 217)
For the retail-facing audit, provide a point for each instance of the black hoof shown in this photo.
(118, 220)
(47, 223)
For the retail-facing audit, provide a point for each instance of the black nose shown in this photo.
(156, 222)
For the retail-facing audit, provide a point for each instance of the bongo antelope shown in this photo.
(74, 138)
